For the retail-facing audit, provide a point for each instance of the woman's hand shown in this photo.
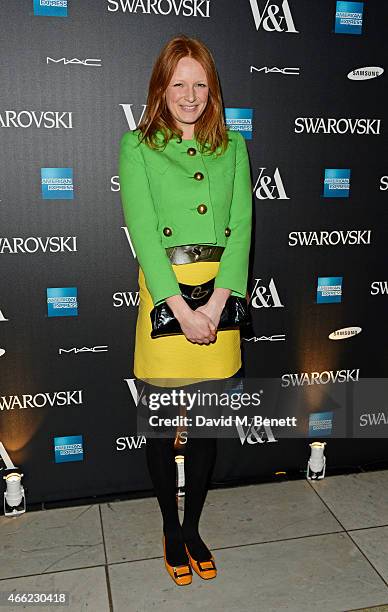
(212, 311)
(198, 327)
(215, 305)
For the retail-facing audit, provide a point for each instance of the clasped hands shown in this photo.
(200, 325)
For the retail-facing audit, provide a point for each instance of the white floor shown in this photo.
(299, 546)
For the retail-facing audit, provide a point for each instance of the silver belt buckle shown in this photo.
(196, 251)
(190, 253)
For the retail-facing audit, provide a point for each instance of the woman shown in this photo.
(187, 200)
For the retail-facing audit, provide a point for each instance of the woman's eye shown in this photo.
(181, 84)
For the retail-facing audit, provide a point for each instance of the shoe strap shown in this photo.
(204, 569)
(182, 567)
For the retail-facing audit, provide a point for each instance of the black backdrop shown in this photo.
(291, 69)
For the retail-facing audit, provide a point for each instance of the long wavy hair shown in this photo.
(210, 129)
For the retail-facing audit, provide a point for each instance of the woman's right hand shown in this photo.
(198, 327)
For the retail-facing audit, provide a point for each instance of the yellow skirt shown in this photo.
(173, 360)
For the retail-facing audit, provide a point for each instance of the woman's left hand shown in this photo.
(215, 305)
(212, 311)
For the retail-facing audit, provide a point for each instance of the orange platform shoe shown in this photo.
(205, 569)
(181, 574)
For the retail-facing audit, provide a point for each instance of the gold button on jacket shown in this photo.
(163, 206)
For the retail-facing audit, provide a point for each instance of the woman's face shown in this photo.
(187, 93)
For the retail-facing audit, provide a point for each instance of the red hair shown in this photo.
(210, 129)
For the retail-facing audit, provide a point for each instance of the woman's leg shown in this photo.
(200, 457)
(161, 465)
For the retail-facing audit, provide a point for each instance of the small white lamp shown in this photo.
(317, 461)
(14, 497)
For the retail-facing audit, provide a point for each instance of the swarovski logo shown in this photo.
(130, 442)
(79, 62)
(373, 418)
(320, 378)
(343, 125)
(41, 400)
(271, 16)
(324, 238)
(377, 288)
(384, 183)
(186, 8)
(32, 244)
(125, 298)
(45, 119)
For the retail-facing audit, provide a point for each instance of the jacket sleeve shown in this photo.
(233, 270)
(142, 221)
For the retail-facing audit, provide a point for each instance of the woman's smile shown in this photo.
(188, 109)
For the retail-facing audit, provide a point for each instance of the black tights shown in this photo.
(200, 455)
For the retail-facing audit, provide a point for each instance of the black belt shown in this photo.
(188, 253)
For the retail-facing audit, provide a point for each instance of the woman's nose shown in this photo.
(190, 95)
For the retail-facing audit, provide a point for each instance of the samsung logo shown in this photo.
(363, 74)
(345, 332)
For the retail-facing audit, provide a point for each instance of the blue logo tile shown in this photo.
(68, 448)
(320, 424)
(240, 120)
(348, 17)
(57, 183)
(336, 183)
(54, 8)
(62, 302)
(329, 289)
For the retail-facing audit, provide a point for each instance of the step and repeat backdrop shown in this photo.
(306, 85)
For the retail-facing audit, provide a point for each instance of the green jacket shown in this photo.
(163, 194)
